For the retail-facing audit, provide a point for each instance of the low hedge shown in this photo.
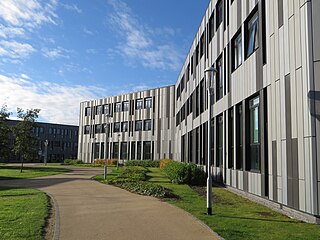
(143, 163)
(106, 161)
(188, 173)
(72, 162)
(132, 178)
(164, 162)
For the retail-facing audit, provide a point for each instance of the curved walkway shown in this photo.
(91, 210)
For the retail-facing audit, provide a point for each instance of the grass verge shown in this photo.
(23, 213)
(13, 172)
(235, 217)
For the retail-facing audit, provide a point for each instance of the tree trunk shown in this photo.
(21, 167)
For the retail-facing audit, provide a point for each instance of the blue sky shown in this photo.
(55, 54)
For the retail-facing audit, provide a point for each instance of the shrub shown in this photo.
(188, 173)
(164, 162)
(143, 163)
(72, 162)
(107, 161)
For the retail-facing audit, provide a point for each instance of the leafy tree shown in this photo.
(4, 133)
(25, 143)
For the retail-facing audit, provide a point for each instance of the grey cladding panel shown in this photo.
(274, 171)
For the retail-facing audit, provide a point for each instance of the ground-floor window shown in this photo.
(115, 150)
(231, 139)
(133, 150)
(239, 137)
(124, 151)
(254, 134)
(147, 150)
(219, 141)
(139, 150)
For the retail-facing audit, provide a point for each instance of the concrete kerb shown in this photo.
(56, 229)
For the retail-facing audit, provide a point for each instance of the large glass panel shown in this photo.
(124, 151)
(219, 79)
(87, 111)
(231, 139)
(237, 51)
(117, 107)
(115, 150)
(116, 127)
(147, 150)
(125, 127)
(98, 110)
(139, 150)
(133, 150)
(239, 121)
(219, 10)
(254, 106)
(96, 150)
(220, 141)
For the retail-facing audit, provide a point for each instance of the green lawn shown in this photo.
(235, 217)
(13, 172)
(22, 213)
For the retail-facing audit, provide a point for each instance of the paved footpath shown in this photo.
(90, 210)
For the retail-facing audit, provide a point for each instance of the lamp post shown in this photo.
(107, 118)
(210, 74)
(46, 142)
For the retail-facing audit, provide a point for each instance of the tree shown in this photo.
(25, 141)
(4, 133)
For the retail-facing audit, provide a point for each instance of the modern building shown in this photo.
(140, 126)
(265, 111)
(62, 142)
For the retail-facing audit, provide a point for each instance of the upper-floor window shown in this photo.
(178, 92)
(87, 111)
(252, 33)
(58, 131)
(99, 128)
(187, 72)
(202, 45)
(219, 79)
(117, 107)
(237, 51)
(139, 104)
(182, 83)
(138, 126)
(125, 127)
(211, 27)
(98, 110)
(87, 129)
(191, 69)
(147, 125)
(125, 106)
(116, 127)
(148, 102)
(106, 109)
(219, 13)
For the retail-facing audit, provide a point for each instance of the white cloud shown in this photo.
(55, 53)
(58, 103)
(87, 31)
(15, 50)
(8, 32)
(71, 7)
(141, 43)
(30, 13)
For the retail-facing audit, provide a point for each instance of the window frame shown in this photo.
(138, 123)
(252, 33)
(117, 127)
(139, 104)
(125, 106)
(147, 125)
(148, 103)
(117, 107)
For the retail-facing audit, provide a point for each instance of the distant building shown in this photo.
(265, 109)
(62, 139)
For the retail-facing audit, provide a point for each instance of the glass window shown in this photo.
(116, 127)
(58, 131)
(138, 126)
(219, 11)
(237, 51)
(125, 106)
(50, 131)
(254, 106)
(147, 150)
(148, 102)
(139, 150)
(98, 128)
(231, 139)
(115, 150)
(253, 33)
(202, 45)
(239, 124)
(219, 79)
(147, 125)
(98, 110)
(41, 130)
(124, 151)
(133, 150)
(87, 129)
(87, 111)
(220, 141)
(211, 27)
(106, 109)
(125, 127)
(139, 104)
(117, 107)
(96, 150)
